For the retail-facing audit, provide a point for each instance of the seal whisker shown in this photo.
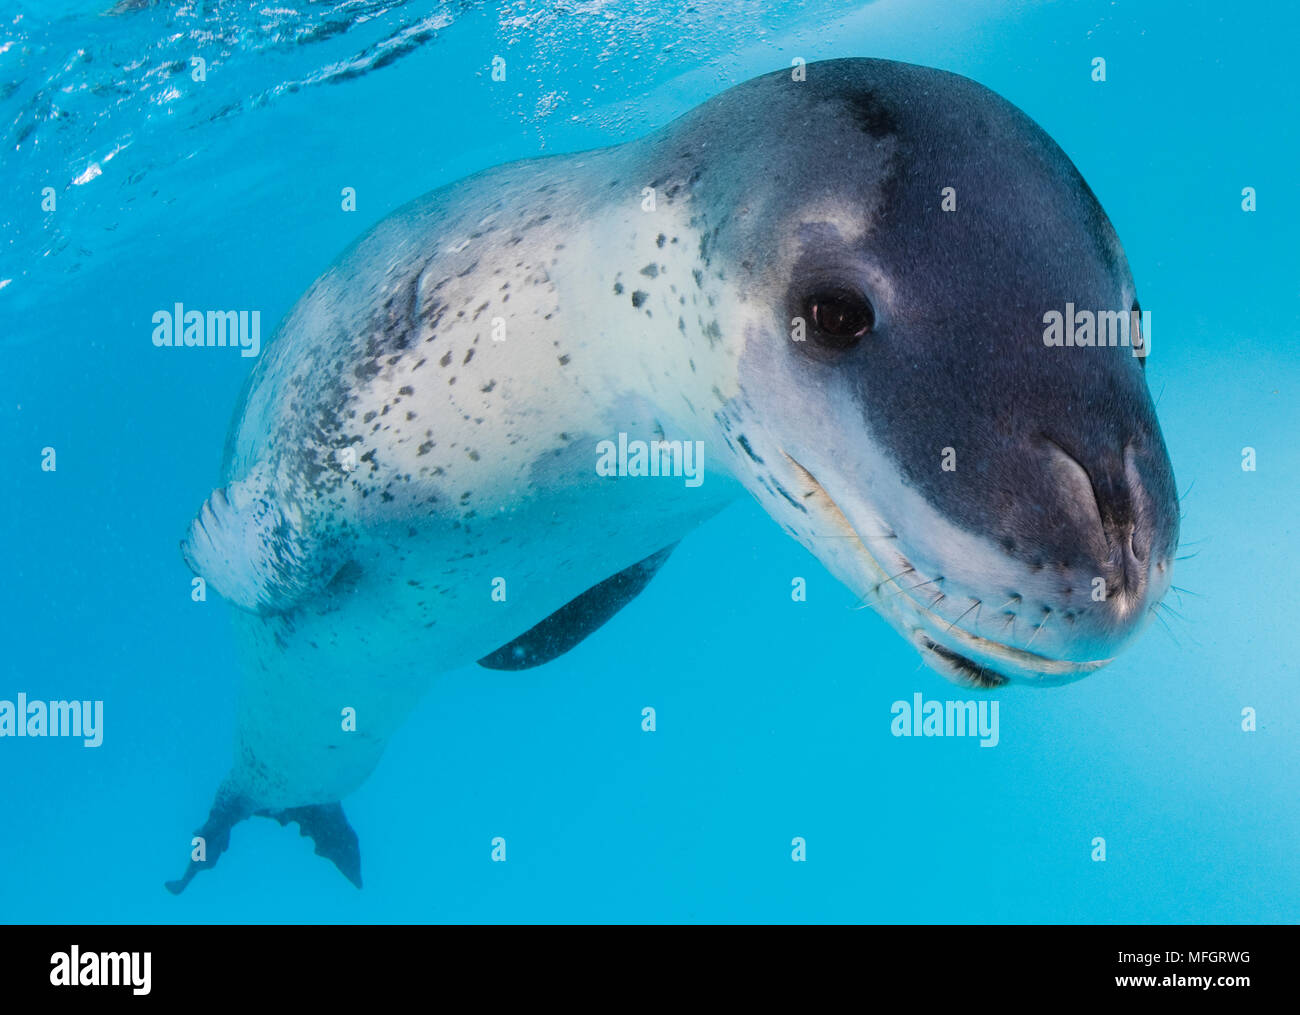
(908, 570)
(1042, 624)
(975, 606)
(913, 588)
(1165, 624)
(862, 603)
(1162, 605)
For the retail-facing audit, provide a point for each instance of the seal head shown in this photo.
(1007, 503)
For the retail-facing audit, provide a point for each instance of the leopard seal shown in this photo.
(835, 287)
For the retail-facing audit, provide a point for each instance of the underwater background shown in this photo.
(773, 717)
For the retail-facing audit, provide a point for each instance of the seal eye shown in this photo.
(839, 316)
(1137, 339)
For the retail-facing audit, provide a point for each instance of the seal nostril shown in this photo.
(1136, 546)
(1078, 484)
(1115, 498)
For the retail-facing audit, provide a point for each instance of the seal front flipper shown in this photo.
(325, 824)
(576, 619)
(253, 546)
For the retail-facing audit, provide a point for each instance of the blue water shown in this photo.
(773, 716)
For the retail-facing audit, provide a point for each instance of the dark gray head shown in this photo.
(1008, 504)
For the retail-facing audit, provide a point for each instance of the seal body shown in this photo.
(420, 459)
(411, 481)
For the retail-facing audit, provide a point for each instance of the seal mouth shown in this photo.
(965, 671)
(961, 657)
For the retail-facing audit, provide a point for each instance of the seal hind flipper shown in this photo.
(228, 810)
(325, 824)
(254, 549)
(327, 827)
(576, 619)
